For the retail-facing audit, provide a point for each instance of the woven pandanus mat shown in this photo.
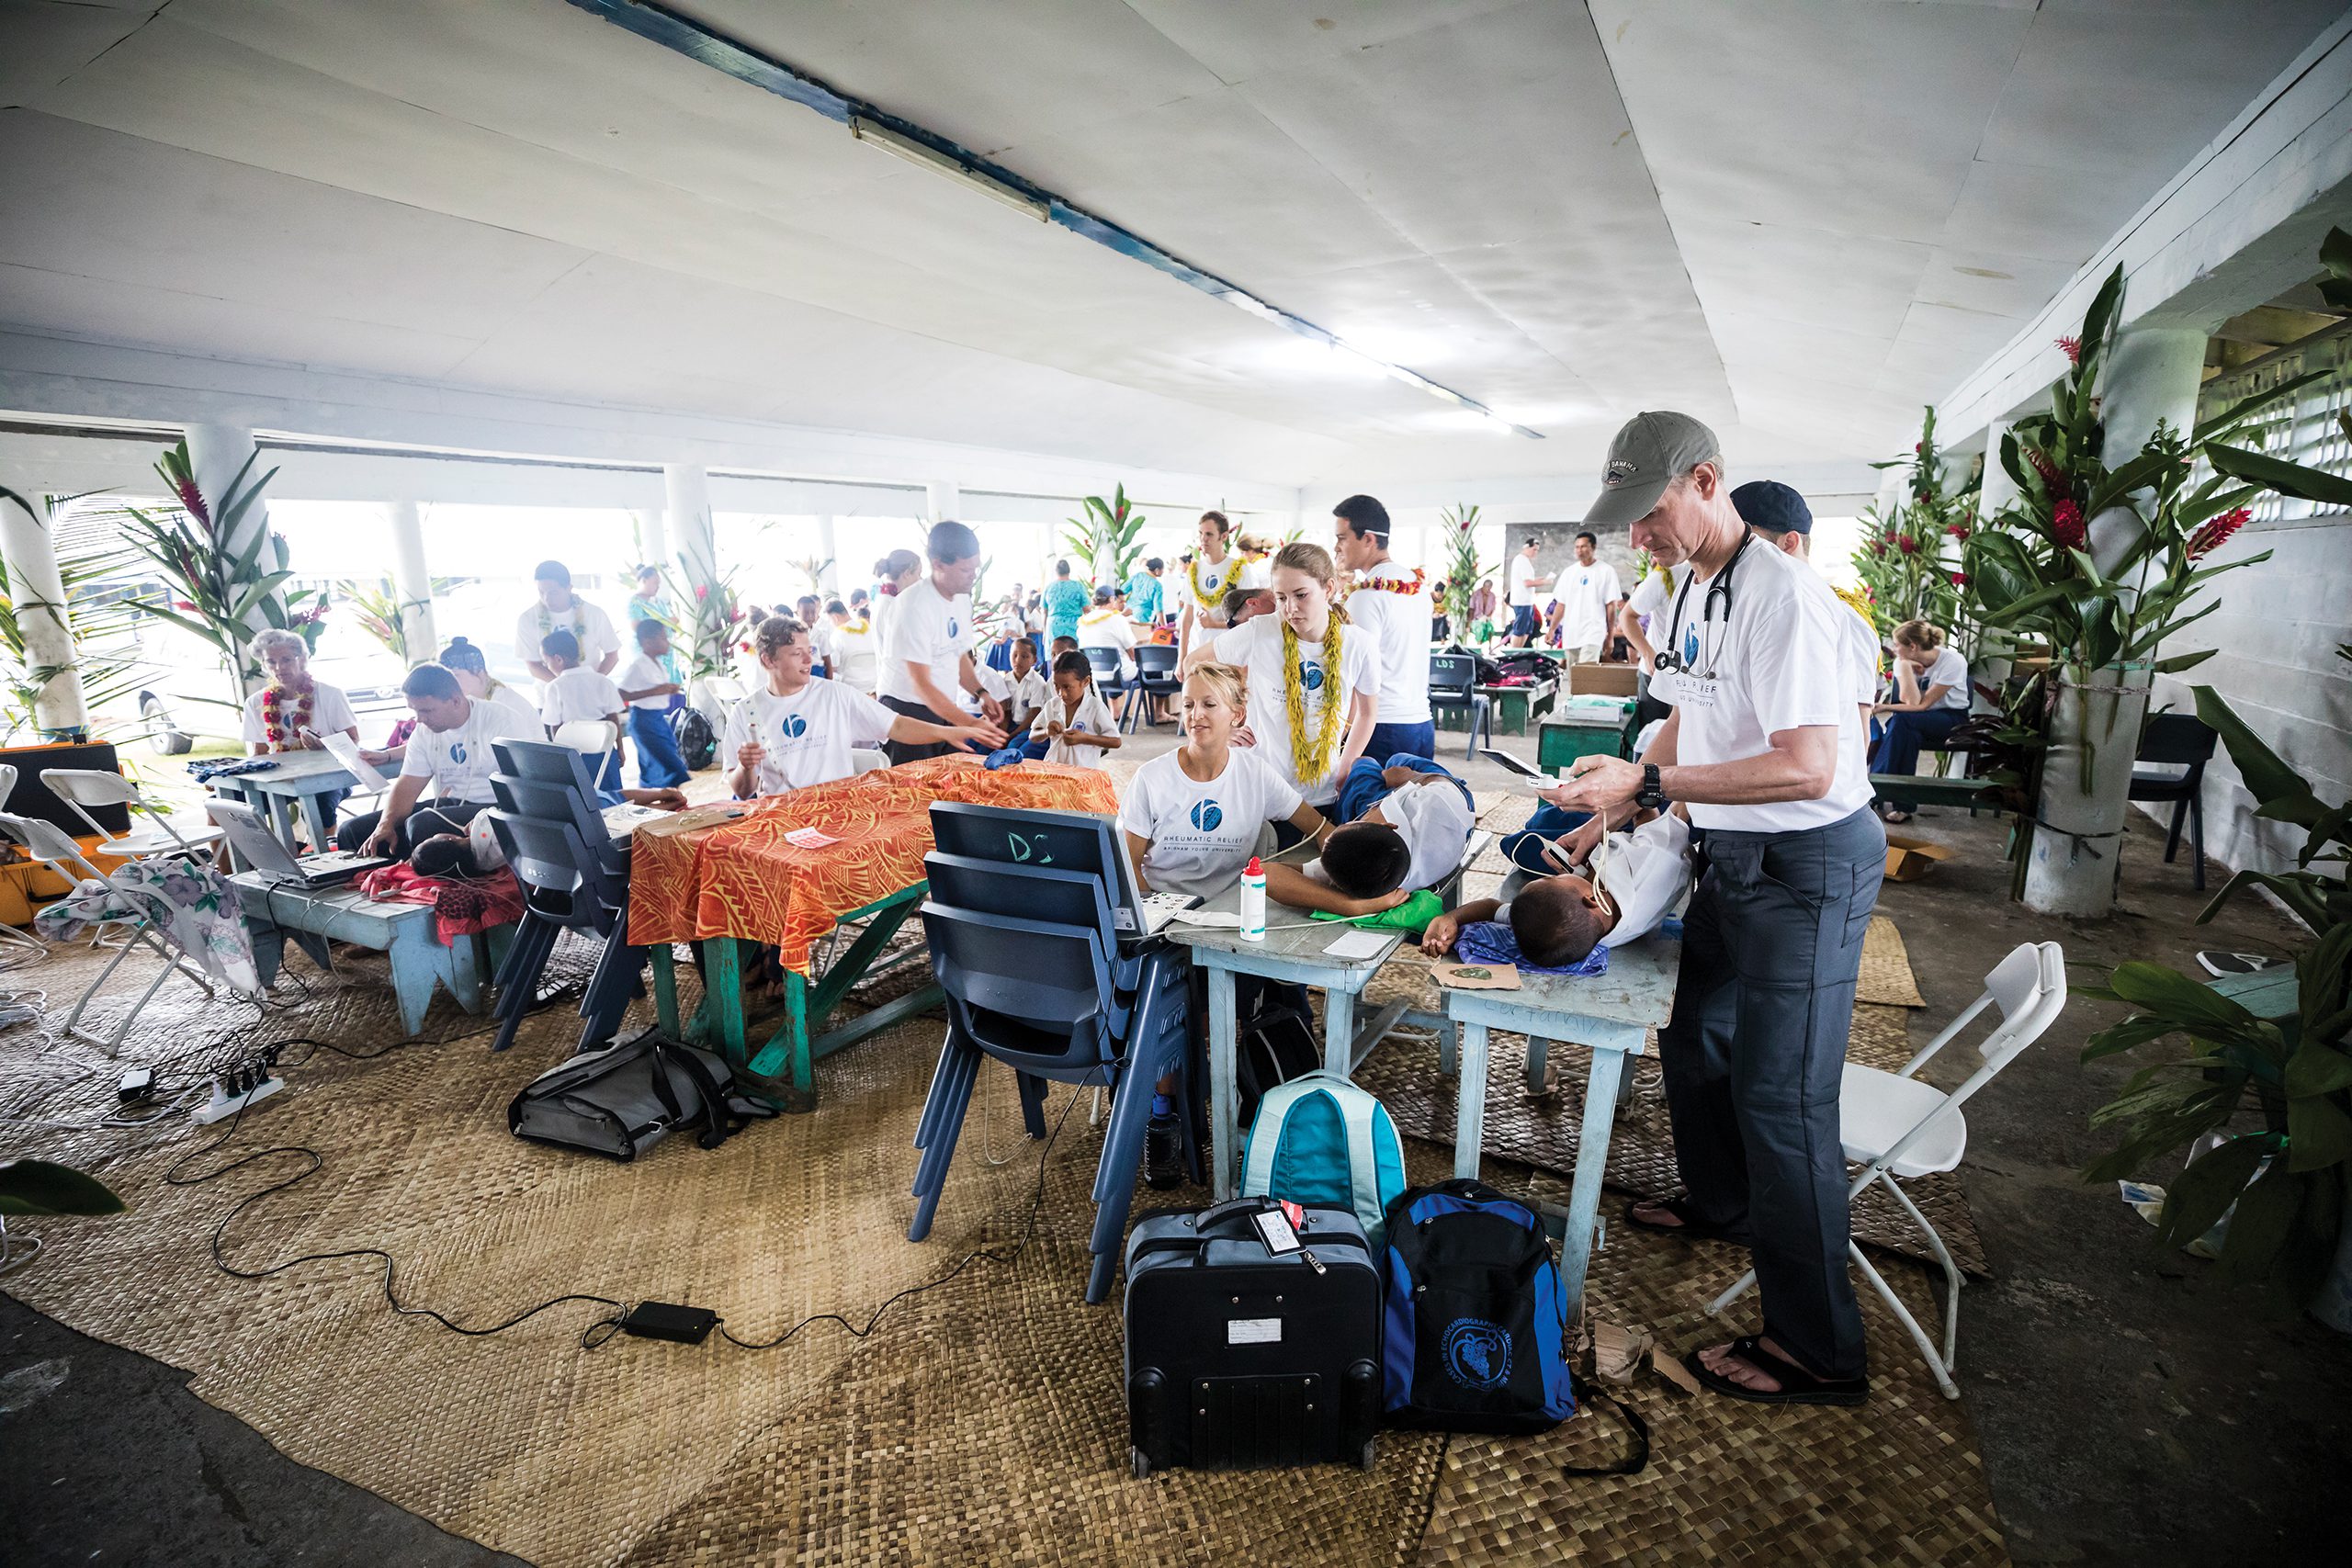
(1886, 976)
(1544, 1129)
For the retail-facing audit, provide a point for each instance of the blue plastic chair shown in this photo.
(575, 878)
(1155, 677)
(1453, 679)
(1057, 1001)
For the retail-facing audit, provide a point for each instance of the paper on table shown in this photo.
(1210, 920)
(1360, 944)
(345, 751)
(808, 839)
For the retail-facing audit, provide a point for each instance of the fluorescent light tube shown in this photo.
(940, 162)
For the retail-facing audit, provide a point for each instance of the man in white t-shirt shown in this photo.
(1106, 627)
(1765, 748)
(797, 730)
(926, 655)
(1641, 613)
(1779, 516)
(1524, 586)
(1393, 605)
(450, 751)
(1586, 600)
(559, 607)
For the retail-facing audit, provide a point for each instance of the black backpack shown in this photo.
(697, 742)
(1274, 1045)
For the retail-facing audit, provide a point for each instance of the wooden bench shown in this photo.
(403, 933)
(1932, 789)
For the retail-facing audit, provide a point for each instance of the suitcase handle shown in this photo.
(1210, 1219)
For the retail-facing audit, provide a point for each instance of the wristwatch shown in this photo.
(1649, 798)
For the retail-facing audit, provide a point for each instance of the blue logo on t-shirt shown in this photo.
(457, 752)
(951, 626)
(1313, 676)
(794, 726)
(1207, 815)
(1691, 644)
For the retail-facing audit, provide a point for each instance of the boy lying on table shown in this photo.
(1634, 877)
(1404, 826)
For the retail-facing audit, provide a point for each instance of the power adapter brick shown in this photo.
(664, 1320)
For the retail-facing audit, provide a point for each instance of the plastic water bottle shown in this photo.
(1163, 1159)
(1253, 901)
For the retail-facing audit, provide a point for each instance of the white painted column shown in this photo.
(2150, 375)
(653, 536)
(218, 454)
(60, 709)
(411, 583)
(686, 488)
(829, 576)
(942, 500)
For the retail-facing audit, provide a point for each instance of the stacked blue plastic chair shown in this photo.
(1155, 677)
(1030, 963)
(574, 877)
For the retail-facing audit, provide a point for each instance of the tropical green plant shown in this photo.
(36, 1187)
(107, 674)
(380, 611)
(2291, 1181)
(1463, 567)
(226, 599)
(705, 623)
(1902, 558)
(1107, 535)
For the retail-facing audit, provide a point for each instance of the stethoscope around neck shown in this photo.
(1669, 660)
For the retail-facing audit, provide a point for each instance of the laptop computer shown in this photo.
(249, 835)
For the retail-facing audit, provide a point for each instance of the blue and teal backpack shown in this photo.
(1318, 1139)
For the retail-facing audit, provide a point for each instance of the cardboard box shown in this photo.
(1601, 679)
(1908, 859)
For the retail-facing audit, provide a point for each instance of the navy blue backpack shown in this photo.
(1476, 1329)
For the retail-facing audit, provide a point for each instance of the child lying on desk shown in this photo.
(1634, 876)
(1405, 824)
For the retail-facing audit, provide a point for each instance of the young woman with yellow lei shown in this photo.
(1313, 680)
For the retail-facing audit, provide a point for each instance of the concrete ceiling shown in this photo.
(1799, 219)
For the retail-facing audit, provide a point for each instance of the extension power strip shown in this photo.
(224, 1104)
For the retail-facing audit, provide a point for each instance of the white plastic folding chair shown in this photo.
(590, 737)
(10, 935)
(81, 788)
(1895, 1126)
(723, 690)
(55, 848)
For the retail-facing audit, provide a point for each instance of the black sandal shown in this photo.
(1798, 1386)
(1680, 1208)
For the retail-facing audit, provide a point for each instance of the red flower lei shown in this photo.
(1412, 584)
(282, 724)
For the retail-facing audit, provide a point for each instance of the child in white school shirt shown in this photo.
(1076, 723)
(576, 692)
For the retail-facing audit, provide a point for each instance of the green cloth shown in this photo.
(1413, 915)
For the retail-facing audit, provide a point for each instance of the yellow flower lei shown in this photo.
(1233, 562)
(1313, 760)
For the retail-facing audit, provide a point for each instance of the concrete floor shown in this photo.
(2131, 1408)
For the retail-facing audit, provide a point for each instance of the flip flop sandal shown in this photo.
(1696, 1229)
(1797, 1385)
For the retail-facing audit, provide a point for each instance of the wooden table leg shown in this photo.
(1470, 1100)
(723, 997)
(465, 973)
(1338, 1031)
(1592, 1159)
(1225, 1106)
(281, 817)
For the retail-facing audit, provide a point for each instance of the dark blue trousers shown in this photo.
(659, 763)
(1403, 740)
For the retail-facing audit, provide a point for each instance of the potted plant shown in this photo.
(1106, 537)
(1463, 567)
(2289, 1186)
(2105, 562)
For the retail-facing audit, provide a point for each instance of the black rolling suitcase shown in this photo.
(1252, 1342)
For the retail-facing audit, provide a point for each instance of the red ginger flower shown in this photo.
(1959, 579)
(2216, 534)
(2066, 524)
(1957, 530)
(192, 502)
(2073, 347)
(1878, 546)
(2043, 466)
(1906, 544)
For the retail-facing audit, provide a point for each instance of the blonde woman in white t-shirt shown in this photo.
(1931, 700)
(1192, 816)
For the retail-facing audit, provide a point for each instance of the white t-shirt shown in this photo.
(808, 735)
(1202, 834)
(1258, 647)
(577, 693)
(1399, 623)
(849, 653)
(1522, 582)
(1105, 628)
(458, 761)
(1947, 668)
(330, 714)
(1646, 871)
(582, 620)
(1434, 818)
(1584, 595)
(1863, 653)
(1780, 662)
(925, 627)
(636, 675)
(1093, 715)
(1215, 581)
(1031, 693)
(1653, 595)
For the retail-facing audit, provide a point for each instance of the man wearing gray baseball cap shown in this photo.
(1764, 748)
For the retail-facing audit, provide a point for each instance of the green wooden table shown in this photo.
(1513, 707)
(782, 1072)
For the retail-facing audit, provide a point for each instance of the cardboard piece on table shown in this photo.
(1909, 858)
(694, 818)
(1475, 976)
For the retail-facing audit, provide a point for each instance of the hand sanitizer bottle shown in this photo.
(1253, 901)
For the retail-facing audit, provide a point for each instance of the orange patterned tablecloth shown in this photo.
(694, 879)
